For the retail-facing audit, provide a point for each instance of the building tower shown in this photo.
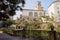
(38, 6)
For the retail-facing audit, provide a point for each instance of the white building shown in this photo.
(54, 11)
(34, 13)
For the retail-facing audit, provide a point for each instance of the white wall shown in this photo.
(26, 12)
(54, 9)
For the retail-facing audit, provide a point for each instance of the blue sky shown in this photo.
(30, 4)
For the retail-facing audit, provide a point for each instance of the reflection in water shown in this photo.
(26, 35)
(5, 39)
(5, 36)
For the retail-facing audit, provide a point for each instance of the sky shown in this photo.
(30, 4)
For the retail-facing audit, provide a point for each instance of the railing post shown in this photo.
(52, 33)
(23, 32)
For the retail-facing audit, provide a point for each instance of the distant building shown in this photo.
(30, 14)
(33, 13)
(54, 11)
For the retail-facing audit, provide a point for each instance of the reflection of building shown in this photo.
(14, 27)
(54, 11)
(34, 13)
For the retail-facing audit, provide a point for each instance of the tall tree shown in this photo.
(8, 8)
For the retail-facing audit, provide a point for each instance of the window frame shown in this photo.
(35, 14)
(30, 14)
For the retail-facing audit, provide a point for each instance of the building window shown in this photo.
(58, 12)
(40, 14)
(57, 7)
(59, 18)
(52, 13)
(58, 25)
(59, 15)
(30, 13)
(18, 27)
(35, 14)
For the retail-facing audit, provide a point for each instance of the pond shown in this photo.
(25, 35)
(4, 36)
(28, 35)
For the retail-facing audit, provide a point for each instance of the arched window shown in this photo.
(30, 13)
(40, 14)
(35, 14)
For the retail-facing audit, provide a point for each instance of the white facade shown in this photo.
(54, 11)
(36, 12)
(27, 11)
